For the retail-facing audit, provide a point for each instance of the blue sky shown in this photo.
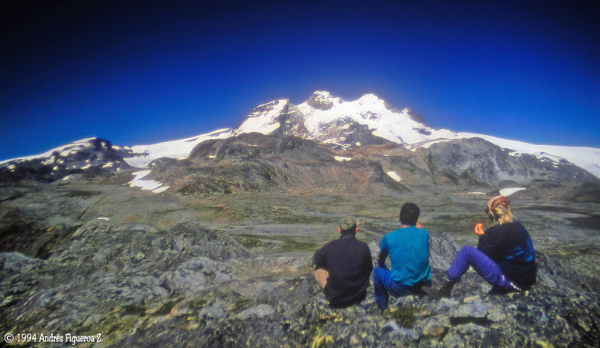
(142, 72)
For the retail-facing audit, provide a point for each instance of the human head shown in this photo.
(409, 214)
(498, 209)
(347, 225)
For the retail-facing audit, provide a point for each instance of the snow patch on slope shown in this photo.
(178, 149)
(509, 191)
(151, 185)
(394, 175)
(263, 122)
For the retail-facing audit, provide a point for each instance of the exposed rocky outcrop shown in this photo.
(322, 101)
(255, 162)
(291, 122)
(475, 161)
(140, 270)
(88, 158)
(348, 134)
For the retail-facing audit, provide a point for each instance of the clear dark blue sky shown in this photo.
(142, 72)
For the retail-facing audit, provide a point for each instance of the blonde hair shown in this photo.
(499, 209)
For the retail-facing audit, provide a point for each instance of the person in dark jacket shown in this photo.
(504, 256)
(343, 267)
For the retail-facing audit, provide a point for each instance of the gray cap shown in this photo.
(347, 224)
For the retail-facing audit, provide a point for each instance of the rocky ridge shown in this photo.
(139, 269)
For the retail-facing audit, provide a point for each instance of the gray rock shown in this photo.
(200, 264)
(185, 281)
(15, 262)
(453, 340)
(429, 343)
(394, 329)
(160, 291)
(215, 310)
(469, 328)
(447, 305)
(478, 310)
(260, 311)
(496, 315)
(436, 326)
(221, 278)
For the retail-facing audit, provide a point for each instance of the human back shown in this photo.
(343, 267)
(349, 265)
(510, 246)
(408, 250)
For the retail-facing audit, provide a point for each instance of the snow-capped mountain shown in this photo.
(369, 120)
(332, 122)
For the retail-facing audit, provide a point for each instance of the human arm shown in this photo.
(381, 258)
(383, 252)
(319, 260)
(491, 243)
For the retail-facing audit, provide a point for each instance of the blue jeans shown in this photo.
(385, 286)
(481, 263)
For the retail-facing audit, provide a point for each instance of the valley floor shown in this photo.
(154, 270)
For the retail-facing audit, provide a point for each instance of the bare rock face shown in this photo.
(292, 122)
(255, 162)
(93, 157)
(475, 161)
(348, 134)
(322, 101)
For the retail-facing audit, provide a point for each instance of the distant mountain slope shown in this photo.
(369, 120)
(342, 126)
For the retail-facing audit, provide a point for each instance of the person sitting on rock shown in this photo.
(504, 256)
(343, 267)
(408, 249)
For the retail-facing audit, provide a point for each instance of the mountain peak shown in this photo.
(370, 99)
(322, 100)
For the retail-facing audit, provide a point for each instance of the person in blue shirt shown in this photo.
(408, 250)
(504, 256)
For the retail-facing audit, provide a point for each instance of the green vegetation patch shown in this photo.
(275, 243)
(303, 219)
(238, 304)
(82, 193)
(404, 315)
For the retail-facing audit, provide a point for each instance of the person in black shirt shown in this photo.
(504, 256)
(343, 267)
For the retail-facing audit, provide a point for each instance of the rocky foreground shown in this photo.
(139, 269)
